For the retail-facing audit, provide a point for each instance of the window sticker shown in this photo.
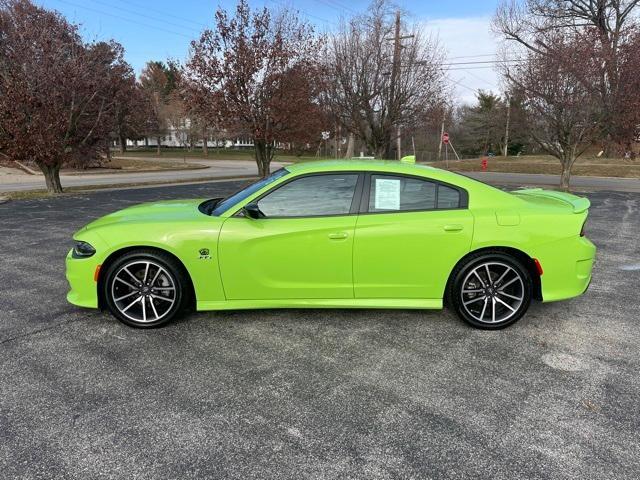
(387, 194)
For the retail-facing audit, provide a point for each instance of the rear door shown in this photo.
(409, 235)
(301, 248)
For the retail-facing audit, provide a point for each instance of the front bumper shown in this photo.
(80, 274)
(567, 266)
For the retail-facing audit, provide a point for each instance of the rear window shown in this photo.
(389, 193)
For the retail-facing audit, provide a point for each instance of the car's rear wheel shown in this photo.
(145, 289)
(490, 290)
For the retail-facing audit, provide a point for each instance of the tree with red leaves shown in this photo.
(56, 92)
(133, 112)
(257, 74)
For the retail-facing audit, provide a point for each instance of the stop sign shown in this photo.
(445, 138)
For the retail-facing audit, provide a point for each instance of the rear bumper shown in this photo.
(567, 266)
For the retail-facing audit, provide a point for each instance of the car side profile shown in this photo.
(338, 234)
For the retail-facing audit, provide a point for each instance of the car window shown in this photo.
(390, 193)
(448, 197)
(240, 195)
(314, 195)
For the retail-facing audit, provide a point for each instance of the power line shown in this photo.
(472, 68)
(474, 56)
(335, 5)
(484, 61)
(171, 14)
(458, 83)
(125, 19)
(479, 78)
(149, 16)
(306, 14)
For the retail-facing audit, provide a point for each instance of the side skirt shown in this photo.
(400, 303)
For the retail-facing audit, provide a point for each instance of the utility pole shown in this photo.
(506, 130)
(440, 139)
(395, 76)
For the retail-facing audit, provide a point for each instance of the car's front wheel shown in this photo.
(490, 290)
(145, 288)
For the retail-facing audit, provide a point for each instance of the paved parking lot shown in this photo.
(317, 393)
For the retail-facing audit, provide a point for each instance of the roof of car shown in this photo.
(357, 164)
(390, 166)
(394, 166)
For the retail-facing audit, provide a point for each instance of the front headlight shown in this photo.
(83, 250)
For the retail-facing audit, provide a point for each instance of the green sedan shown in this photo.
(338, 234)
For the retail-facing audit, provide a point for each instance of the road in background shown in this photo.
(217, 169)
(544, 180)
(293, 394)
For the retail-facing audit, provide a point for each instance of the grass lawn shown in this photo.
(185, 153)
(214, 154)
(129, 164)
(584, 166)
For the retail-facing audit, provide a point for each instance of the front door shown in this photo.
(410, 238)
(302, 246)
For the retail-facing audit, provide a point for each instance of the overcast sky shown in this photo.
(159, 29)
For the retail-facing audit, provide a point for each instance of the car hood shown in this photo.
(168, 211)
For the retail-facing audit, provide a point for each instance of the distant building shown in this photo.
(182, 136)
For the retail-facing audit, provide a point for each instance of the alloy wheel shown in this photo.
(143, 291)
(492, 292)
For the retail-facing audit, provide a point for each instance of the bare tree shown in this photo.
(370, 93)
(555, 92)
(56, 92)
(610, 23)
(257, 74)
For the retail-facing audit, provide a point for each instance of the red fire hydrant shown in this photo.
(485, 164)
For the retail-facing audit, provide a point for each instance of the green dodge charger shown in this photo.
(338, 234)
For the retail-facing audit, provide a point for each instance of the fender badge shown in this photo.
(204, 254)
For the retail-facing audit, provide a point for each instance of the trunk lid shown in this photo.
(552, 198)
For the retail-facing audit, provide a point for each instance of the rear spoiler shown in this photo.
(579, 204)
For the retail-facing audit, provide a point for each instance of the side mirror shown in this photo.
(252, 210)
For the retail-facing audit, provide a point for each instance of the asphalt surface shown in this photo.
(295, 394)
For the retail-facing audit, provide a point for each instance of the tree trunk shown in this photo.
(123, 144)
(205, 140)
(263, 157)
(565, 176)
(158, 146)
(350, 146)
(52, 178)
(107, 150)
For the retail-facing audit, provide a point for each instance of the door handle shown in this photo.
(338, 235)
(454, 227)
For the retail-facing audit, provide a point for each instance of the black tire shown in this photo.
(163, 303)
(479, 294)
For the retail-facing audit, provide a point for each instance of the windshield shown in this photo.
(232, 200)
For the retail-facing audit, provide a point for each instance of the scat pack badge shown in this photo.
(204, 254)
